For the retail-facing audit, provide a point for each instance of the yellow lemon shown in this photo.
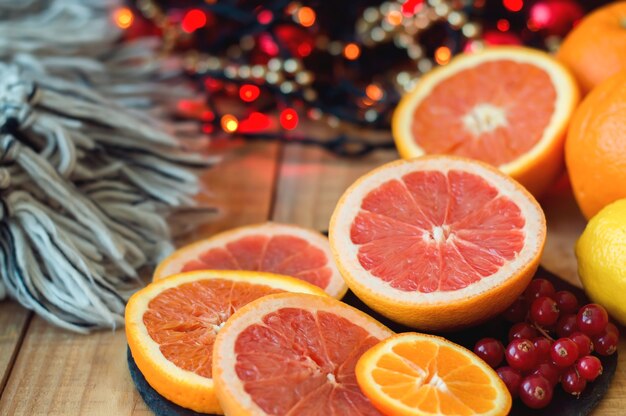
(601, 253)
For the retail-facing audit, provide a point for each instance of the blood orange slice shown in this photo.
(270, 247)
(437, 242)
(171, 327)
(507, 106)
(294, 354)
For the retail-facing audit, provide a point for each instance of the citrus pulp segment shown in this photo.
(437, 242)
(171, 327)
(414, 374)
(294, 354)
(270, 247)
(507, 106)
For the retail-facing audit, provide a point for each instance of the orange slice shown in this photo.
(437, 242)
(507, 106)
(414, 374)
(171, 327)
(270, 247)
(294, 354)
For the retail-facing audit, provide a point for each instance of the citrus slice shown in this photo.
(414, 374)
(294, 355)
(171, 327)
(507, 106)
(269, 247)
(437, 242)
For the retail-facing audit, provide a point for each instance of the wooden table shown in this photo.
(48, 371)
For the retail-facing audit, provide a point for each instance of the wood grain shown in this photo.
(61, 373)
(13, 322)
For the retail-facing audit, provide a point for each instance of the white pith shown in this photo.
(566, 94)
(484, 118)
(139, 305)
(224, 350)
(175, 262)
(350, 205)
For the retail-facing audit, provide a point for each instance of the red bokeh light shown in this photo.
(410, 7)
(254, 123)
(503, 25)
(289, 119)
(513, 5)
(194, 19)
(249, 92)
(265, 17)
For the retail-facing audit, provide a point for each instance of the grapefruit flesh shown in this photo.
(281, 254)
(185, 320)
(294, 354)
(436, 231)
(495, 122)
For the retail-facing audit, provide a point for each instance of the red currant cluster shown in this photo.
(536, 361)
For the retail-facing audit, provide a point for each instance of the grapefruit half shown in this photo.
(437, 242)
(269, 247)
(294, 354)
(507, 106)
(171, 327)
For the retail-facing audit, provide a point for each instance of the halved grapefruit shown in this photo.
(437, 242)
(294, 354)
(507, 106)
(269, 247)
(171, 327)
(414, 374)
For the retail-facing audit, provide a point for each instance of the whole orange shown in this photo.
(596, 48)
(595, 148)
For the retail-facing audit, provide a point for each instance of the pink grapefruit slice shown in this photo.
(269, 247)
(437, 242)
(294, 354)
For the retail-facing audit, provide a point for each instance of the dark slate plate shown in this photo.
(562, 403)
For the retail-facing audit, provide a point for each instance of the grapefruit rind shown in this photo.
(438, 310)
(228, 387)
(545, 159)
(368, 363)
(183, 387)
(174, 263)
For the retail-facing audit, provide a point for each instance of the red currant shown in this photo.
(564, 352)
(589, 367)
(549, 371)
(490, 350)
(517, 311)
(522, 330)
(566, 326)
(538, 288)
(511, 378)
(592, 319)
(543, 346)
(572, 382)
(611, 327)
(606, 344)
(521, 354)
(544, 311)
(535, 391)
(566, 301)
(585, 346)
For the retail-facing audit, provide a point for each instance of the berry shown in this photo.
(566, 301)
(549, 371)
(511, 378)
(517, 311)
(606, 344)
(535, 391)
(543, 346)
(521, 354)
(592, 319)
(589, 367)
(538, 288)
(522, 330)
(564, 352)
(585, 346)
(566, 326)
(544, 311)
(611, 327)
(572, 382)
(490, 350)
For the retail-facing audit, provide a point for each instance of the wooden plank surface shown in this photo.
(60, 373)
(13, 322)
